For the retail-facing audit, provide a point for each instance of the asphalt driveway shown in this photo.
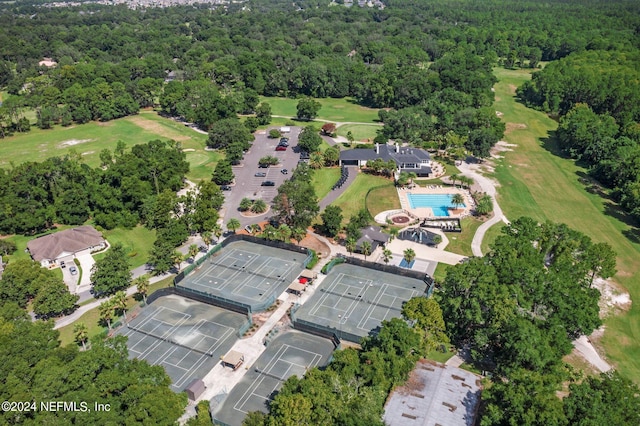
(249, 186)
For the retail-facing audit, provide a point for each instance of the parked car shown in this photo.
(225, 188)
(263, 166)
(304, 155)
(284, 171)
(62, 265)
(260, 174)
(281, 148)
(248, 229)
(73, 270)
(268, 183)
(283, 142)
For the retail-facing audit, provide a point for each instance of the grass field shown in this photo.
(353, 199)
(537, 182)
(337, 110)
(490, 236)
(323, 179)
(460, 243)
(382, 199)
(360, 132)
(91, 318)
(91, 138)
(137, 243)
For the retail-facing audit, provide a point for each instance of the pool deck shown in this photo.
(427, 212)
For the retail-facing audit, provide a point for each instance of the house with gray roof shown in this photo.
(435, 394)
(374, 236)
(408, 159)
(52, 248)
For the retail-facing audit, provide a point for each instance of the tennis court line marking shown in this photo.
(352, 306)
(250, 392)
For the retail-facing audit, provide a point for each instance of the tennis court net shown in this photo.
(169, 340)
(273, 376)
(276, 277)
(361, 299)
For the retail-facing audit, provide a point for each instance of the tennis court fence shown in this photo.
(169, 340)
(325, 331)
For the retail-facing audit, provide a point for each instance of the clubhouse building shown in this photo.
(408, 159)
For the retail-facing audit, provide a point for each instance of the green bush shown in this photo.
(314, 259)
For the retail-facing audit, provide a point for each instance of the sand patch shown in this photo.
(72, 142)
(512, 89)
(157, 128)
(188, 150)
(612, 298)
(88, 153)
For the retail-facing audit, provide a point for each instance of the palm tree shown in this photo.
(217, 231)
(366, 249)
(393, 232)
(298, 234)
(176, 259)
(81, 333)
(193, 251)
(106, 312)
(256, 229)
(259, 206)
(350, 245)
(386, 255)
(409, 255)
(142, 286)
(284, 232)
(207, 237)
(466, 181)
(120, 303)
(316, 160)
(233, 225)
(457, 200)
(454, 177)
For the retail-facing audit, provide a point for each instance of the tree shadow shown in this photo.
(592, 186)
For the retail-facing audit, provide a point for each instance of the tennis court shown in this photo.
(290, 353)
(353, 300)
(246, 272)
(183, 336)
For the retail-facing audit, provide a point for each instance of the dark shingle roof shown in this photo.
(387, 152)
(68, 241)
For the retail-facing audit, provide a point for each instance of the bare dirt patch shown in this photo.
(72, 142)
(312, 242)
(510, 127)
(157, 128)
(512, 89)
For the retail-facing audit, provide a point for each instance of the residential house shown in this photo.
(51, 249)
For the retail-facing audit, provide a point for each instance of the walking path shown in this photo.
(488, 187)
(337, 123)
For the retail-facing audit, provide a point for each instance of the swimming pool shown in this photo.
(439, 203)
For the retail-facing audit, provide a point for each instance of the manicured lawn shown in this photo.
(460, 243)
(91, 138)
(382, 199)
(324, 179)
(360, 132)
(490, 236)
(353, 199)
(137, 242)
(92, 317)
(22, 240)
(538, 183)
(337, 110)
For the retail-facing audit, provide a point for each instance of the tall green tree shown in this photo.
(331, 220)
(111, 273)
(233, 224)
(81, 334)
(309, 139)
(223, 173)
(307, 109)
(53, 299)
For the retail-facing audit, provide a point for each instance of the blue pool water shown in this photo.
(439, 203)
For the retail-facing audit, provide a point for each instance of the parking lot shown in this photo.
(250, 186)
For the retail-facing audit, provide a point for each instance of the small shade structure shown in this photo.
(296, 288)
(195, 389)
(233, 359)
(309, 275)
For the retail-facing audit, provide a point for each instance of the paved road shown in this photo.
(488, 187)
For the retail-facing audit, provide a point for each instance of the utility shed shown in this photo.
(195, 389)
(435, 394)
(233, 359)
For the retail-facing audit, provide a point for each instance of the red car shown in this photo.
(281, 148)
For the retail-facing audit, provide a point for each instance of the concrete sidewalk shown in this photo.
(334, 194)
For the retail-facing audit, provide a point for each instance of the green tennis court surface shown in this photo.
(246, 272)
(290, 353)
(353, 300)
(183, 336)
